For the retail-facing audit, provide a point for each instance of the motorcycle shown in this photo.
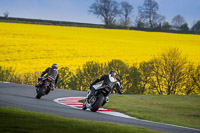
(41, 90)
(100, 97)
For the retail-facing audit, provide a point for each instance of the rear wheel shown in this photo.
(38, 96)
(47, 90)
(98, 103)
(40, 93)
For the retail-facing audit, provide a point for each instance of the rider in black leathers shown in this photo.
(53, 74)
(110, 80)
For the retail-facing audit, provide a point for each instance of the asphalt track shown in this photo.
(23, 96)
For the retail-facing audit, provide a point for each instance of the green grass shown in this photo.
(14, 120)
(177, 110)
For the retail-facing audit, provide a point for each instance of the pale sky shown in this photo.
(77, 10)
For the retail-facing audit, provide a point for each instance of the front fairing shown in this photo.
(105, 90)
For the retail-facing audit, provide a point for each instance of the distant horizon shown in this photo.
(77, 10)
(52, 20)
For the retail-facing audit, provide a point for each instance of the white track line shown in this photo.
(4, 82)
(73, 102)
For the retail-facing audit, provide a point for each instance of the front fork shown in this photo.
(90, 94)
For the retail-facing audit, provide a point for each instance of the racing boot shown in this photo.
(37, 86)
(52, 87)
(84, 106)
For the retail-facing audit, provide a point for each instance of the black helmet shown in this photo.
(113, 74)
(55, 66)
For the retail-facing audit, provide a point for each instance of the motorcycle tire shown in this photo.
(98, 103)
(40, 93)
(38, 96)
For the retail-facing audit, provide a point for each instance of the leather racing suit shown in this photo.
(106, 81)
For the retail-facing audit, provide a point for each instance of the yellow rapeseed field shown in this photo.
(31, 48)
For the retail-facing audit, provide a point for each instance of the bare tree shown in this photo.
(189, 80)
(158, 20)
(139, 23)
(148, 13)
(184, 28)
(6, 14)
(196, 27)
(107, 10)
(196, 78)
(178, 21)
(126, 10)
(166, 26)
(173, 70)
(156, 79)
(145, 70)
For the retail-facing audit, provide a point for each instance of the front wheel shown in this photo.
(98, 103)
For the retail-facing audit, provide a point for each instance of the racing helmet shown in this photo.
(55, 66)
(112, 74)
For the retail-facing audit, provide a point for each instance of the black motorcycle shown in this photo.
(41, 90)
(100, 98)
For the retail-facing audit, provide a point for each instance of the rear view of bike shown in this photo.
(44, 87)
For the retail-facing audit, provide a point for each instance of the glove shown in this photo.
(91, 85)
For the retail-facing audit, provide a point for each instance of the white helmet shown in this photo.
(112, 76)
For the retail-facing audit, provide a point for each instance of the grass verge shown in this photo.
(20, 121)
(177, 110)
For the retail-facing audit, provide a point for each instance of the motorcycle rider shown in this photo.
(51, 73)
(110, 80)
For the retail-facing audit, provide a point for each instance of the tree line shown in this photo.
(167, 74)
(120, 16)
(113, 13)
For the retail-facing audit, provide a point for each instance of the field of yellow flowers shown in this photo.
(32, 48)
